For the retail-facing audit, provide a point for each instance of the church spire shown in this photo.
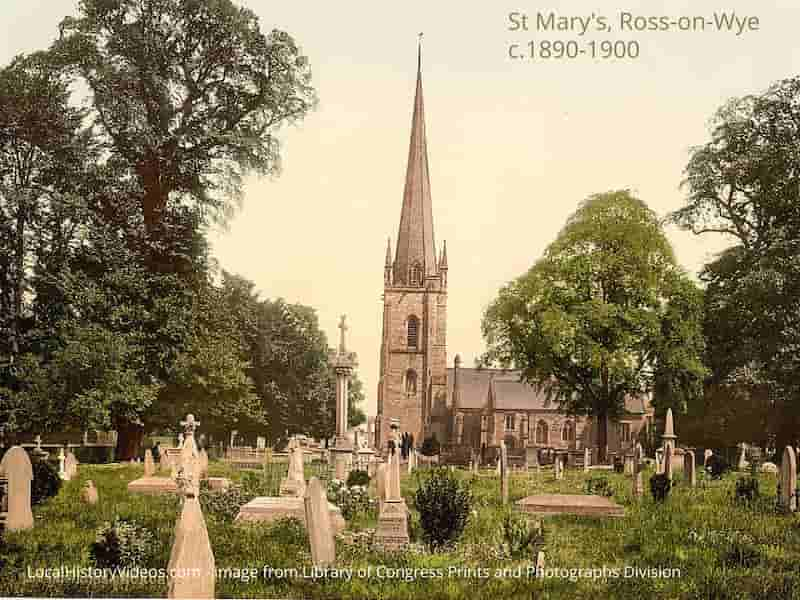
(415, 257)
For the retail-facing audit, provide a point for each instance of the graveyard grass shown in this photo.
(722, 549)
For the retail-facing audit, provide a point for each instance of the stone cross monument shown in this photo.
(343, 362)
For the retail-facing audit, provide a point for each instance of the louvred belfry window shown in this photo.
(413, 331)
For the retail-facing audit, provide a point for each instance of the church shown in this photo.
(463, 407)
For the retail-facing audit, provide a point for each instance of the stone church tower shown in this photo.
(413, 372)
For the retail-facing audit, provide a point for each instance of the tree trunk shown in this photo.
(129, 441)
(602, 438)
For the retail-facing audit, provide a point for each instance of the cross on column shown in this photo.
(343, 329)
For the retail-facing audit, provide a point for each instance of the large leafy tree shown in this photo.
(605, 314)
(188, 94)
(745, 183)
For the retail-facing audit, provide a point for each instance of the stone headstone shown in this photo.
(16, 466)
(392, 530)
(191, 570)
(294, 485)
(638, 479)
(689, 468)
(203, 463)
(668, 461)
(504, 473)
(71, 465)
(587, 459)
(559, 468)
(318, 524)
(380, 484)
(149, 465)
(540, 564)
(769, 467)
(627, 465)
(742, 463)
(89, 493)
(788, 498)
(706, 455)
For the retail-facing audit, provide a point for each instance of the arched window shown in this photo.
(413, 331)
(415, 277)
(541, 433)
(568, 432)
(411, 382)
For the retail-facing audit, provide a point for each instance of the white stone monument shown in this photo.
(344, 362)
(689, 468)
(788, 497)
(149, 465)
(392, 531)
(294, 485)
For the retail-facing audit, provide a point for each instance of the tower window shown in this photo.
(415, 277)
(510, 422)
(411, 382)
(413, 331)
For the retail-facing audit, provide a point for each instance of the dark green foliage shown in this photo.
(444, 503)
(357, 477)
(521, 537)
(430, 446)
(619, 464)
(225, 504)
(600, 486)
(717, 466)
(660, 486)
(289, 531)
(746, 489)
(98, 455)
(122, 543)
(46, 481)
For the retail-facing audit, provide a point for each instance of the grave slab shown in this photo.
(571, 504)
(271, 509)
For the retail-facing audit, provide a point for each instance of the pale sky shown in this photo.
(513, 146)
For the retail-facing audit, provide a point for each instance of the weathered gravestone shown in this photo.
(638, 479)
(191, 570)
(71, 465)
(149, 465)
(504, 472)
(294, 485)
(392, 531)
(558, 465)
(706, 455)
(668, 461)
(788, 497)
(89, 493)
(62, 471)
(318, 524)
(587, 459)
(689, 468)
(18, 471)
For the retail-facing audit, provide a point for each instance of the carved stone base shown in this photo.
(270, 509)
(392, 532)
(153, 485)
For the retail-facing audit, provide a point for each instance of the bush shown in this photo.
(121, 544)
(717, 466)
(660, 485)
(352, 501)
(747, 489)
(46, 481)
(224, 504)
(99, 455)
(599, 486)
(444, 503)
(521, 539)
(430, 446)
(357, 477)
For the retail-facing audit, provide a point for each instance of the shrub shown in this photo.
(430, 446)
(717, 466)
(521, 538)
(357, 477)
(46, 481)
(122, 543)
(94, 454)
(599, 486)
(660, 485)
(352, 501)
(224, 504)
(443, 502)
(747, 489)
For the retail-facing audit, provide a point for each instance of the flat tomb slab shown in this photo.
(267, 508)
(571, 504)
(153, 485)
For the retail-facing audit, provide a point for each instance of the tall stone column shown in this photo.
(344, 363)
